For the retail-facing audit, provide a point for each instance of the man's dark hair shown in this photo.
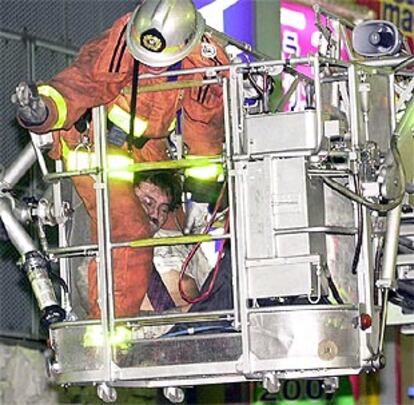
(169, 182)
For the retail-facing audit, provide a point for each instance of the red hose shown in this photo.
(193, 251)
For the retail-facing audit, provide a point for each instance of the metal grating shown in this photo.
(70, 23)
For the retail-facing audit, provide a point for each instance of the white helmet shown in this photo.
(162, 32)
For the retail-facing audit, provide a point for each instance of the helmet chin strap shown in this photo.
(133, 109)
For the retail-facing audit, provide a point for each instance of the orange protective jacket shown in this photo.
(102, 75)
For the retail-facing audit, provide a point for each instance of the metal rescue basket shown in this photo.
(314, 205)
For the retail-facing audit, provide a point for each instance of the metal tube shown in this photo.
(230, 192)
(318, 100)
(40, 158)
(20, 166)
(141, 167)
(104, 273)
(42, 43)
(385, 61)
(179, 84)
(64, 266)
(168, 241)
(171, 164)
(390, 247)
(64, 175)
(17, 234)
(157, 319)
(285, 98)
(332, 230)
(89, 250)
(260, 65)
(320, 10)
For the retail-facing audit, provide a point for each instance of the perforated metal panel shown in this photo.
(68, 23)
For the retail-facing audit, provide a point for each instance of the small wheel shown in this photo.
(106, 393)
(174, 394)
(271, 383)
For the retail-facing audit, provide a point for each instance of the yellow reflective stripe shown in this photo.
(172, 125)
(213, 171)
(62, 109)
(81, 160)
(121, 119)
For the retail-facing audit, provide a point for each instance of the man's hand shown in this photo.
(30, 107)
(196, 217)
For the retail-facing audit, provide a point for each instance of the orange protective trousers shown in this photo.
(131, 266)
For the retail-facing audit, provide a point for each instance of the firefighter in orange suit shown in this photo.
(159, 35)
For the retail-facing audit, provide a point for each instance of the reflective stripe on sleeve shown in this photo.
(121, 119)
(62, 110)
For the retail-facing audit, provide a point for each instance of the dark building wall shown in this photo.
(67, 24)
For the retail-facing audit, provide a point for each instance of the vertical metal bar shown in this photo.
(237, 131)
(318, 100)
(354, 105)
(391, 247)
(39, 155)
(64, 267)
(235, 147)
(232, 212)
(104, 259)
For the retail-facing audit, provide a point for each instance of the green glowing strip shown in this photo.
(182, 240)
(172, 164)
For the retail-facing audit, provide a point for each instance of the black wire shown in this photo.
(334, 291)
(358, 246)
(59, 280)
(377, 265)
(134, 95)
(199, 330)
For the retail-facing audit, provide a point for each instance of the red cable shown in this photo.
(193, 251)
(398, 377)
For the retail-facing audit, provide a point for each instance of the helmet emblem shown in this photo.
(153, 41)
(208, 50)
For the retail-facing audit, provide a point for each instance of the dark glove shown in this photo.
(31, 109)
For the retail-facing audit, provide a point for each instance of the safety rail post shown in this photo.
(104, 257)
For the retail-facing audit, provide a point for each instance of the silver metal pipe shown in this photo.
(390, 247)
(104, 271)
(230, 192)
(41, 43)
(385, 61)
(321, 10)
(17, 234)
(156, 319)
(64, 266)
(332, 230)
(318, 100)
(90, 250)
(65, 175)
(262, 64)
(383, 321)
(20, 166)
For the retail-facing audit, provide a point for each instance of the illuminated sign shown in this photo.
(401, 13)
(234, 17)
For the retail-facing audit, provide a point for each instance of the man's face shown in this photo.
(155, 202)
